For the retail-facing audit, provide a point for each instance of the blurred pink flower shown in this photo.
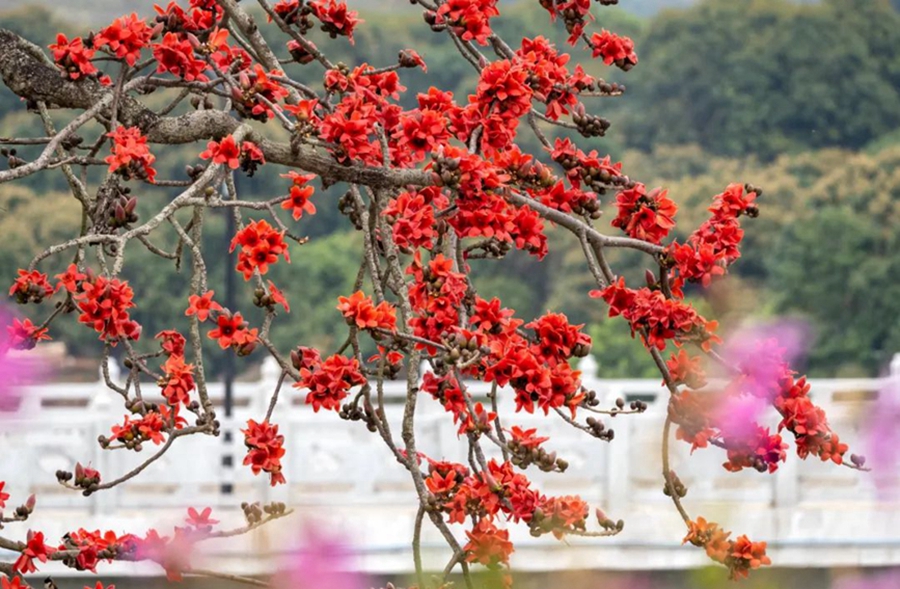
(173, 553)
(16, 369)
(889, 579)
(322, 559)
(762, 351)
(738, 416)
(881, 428)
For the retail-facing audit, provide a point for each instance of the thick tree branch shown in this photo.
(28, 74)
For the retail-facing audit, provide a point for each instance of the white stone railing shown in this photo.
(811, 513)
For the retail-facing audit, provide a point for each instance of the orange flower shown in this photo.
(746, 555)
(487, 544)
(358, 309)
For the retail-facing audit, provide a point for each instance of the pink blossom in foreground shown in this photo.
(761, 352)
(738, 416)
(16, 368)
(881, 428)
(889, 579)
(321, 560)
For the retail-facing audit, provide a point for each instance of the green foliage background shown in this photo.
(801, 99)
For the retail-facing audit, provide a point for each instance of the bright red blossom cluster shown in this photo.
(104, 305)
(482, 211)
(152, 426)
(225, 152)
(364, 106)
(499, 490)
(178, 382)
(16, 583)
(412, 217)
(175, 55)
(549, 78)
(714, 245)
(535, 367)
(470, 19)
(73, 58)
(228, 152)
(131, 155)
(125, 38)
(265, 448)
(614, 49)
(328, 381)
(31, 287)
(261, 245)
(645, 215)
(202, 15)
(657, 318)
(586, 169)
(501, 98)
(336, 18)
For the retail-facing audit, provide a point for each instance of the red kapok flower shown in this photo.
(70, 278)
(15, 583)
(261, 244)
(125, 37)
(645, 215)
(72, 57)
(277, 297)
(470, 19)
(175, 55)
(131, 156)
(526, 438)
(264, 449)
(232, 331)
(329, 382)
(104, 305)
(299, 201)
(487, 544)
(359, 310)
(179, 380)
(223, 152)
(746, 555)
(614, 49)
(202, 305)
(31, 286)
(336, 18)
(34, 550)
(172, 342)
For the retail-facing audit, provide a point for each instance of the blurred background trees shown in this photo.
(802, 99)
